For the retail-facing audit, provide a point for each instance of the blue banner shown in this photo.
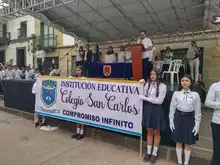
(115, 70)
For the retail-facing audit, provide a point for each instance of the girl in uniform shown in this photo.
(153, 115)
(80, 127)
(185, 117)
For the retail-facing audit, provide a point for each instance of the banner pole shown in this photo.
(141, 146)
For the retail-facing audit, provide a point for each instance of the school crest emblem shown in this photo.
(49, 92)
(107, 70)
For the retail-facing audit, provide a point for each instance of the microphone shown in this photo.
(133, 39)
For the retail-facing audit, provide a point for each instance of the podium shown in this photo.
(136, 55)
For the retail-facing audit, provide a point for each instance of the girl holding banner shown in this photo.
(185, 118)
(80, 127)
(153, 115)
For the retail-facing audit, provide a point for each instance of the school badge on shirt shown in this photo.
(107, 70)
(48, 92)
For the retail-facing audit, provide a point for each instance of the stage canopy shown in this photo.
(107, 20)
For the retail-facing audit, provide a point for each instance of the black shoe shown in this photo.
(79, 137)
(75, 136)
(146, 158)
(36, 124)
(153, 159)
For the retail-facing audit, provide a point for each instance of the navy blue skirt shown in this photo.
(153, 116)
(184, 124)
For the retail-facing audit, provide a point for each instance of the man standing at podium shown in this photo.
(147, 55)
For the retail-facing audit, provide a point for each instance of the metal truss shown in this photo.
(10, 9)
(174, 37)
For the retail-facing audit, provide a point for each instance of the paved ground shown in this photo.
(22, 144)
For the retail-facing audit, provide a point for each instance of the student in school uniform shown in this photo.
(17, 73)
(36, 116)
(121, 55)
(185, 117)
(80, 56)
(110, 56)
(28, 73)
(80, 127)
(153, 115)
(213, 101)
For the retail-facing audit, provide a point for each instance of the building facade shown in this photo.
(20, 37)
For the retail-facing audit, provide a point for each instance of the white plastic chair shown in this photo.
(158, 65)
(173, 69)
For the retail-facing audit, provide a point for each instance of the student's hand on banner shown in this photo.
(195, 130)
(172, 127)
(142, 97)
(142, 81)
(70, 77)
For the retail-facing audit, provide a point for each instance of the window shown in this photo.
(23, 29)
(4, 30)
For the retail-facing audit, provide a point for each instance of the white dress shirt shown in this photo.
(168, 58)
(85, 56)
(54, 72)
(191, 53)
(186, 101)
(17, 74)
(40, 54)
(128, 57)
(213, 101)
(146, 43)
(28, 75)
(2, 74)
(9, 74)
(151, 95)
(109, 58)
(79, 56)
(121, 56)
(34, 88)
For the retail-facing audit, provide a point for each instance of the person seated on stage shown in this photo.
(110, 56)
(80, 56)
(54, 71)
(80, 127)
(153, 113)
(121, 55)
(147, 56)
(128, 61)
(36, 116)
(167, 55)
(167, 58)
(185, 117)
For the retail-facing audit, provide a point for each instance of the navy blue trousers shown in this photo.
(216, 144)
